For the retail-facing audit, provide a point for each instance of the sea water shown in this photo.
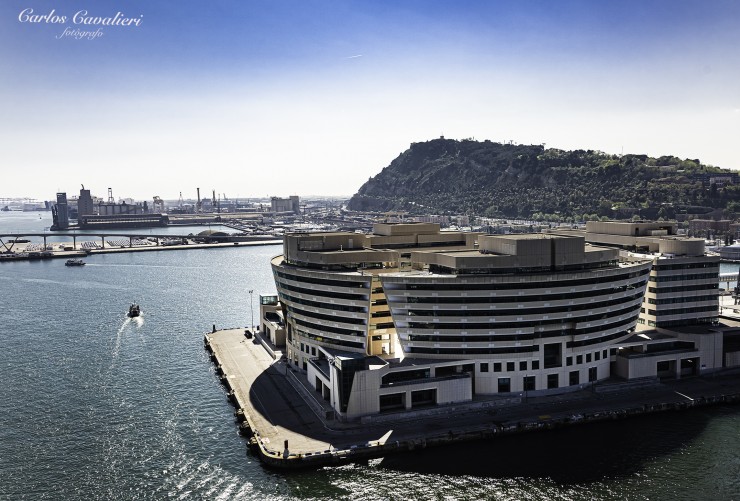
(94, 405)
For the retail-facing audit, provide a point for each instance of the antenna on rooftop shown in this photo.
(110, 196)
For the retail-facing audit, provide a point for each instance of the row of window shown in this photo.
(534, 365)
(566, 331)
(521, 322)
(287, 298)
(328, 318)
(331, 341)
(538, 310)
(685, 299)
(322, 281)
(684, 278)
(473, 351)
(309, 350)
(683, 311)
(529, 383)
(335, 330)
(547, 281)
(685, 266)
(534, 298)
(442, 269)
(683, 288)
(318, 293)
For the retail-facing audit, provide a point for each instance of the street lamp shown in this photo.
(251, 306)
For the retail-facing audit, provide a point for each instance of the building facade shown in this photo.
(85, 205)
(683, 288)
(413, 316)
(60, 213)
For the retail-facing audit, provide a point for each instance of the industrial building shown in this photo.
(60, 213)
(282, 205)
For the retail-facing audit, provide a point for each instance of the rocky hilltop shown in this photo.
(528, 181)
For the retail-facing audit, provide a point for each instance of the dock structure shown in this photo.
(12, 251)
(263, 398)
(288, 430)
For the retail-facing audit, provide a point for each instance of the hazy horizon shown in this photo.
(259, 98)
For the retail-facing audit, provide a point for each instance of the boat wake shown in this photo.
(117, 345)
(136, 322)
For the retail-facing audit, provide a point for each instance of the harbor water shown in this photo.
(94, 405)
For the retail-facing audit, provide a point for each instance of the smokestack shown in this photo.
(197, 207)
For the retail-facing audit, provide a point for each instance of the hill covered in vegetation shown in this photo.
(446, 176)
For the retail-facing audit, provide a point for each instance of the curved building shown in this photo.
(457, 313)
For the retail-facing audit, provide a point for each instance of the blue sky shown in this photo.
(312, 98)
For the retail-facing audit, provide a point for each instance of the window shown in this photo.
(523, 366)
(504, 385)
(579, 359)
(552, 381)
(535, 364)
(510, 367)
(497, 367)
(569, 361)
(529, 383)
(553, 356)
(484, 367)
(588, 357)
(575, 378)
(313, 351)
(603, 353)
(597, 355)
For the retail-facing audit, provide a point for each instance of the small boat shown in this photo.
(74, 262)
(134, 311)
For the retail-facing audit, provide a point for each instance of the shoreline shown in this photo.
(68, 254)
(286, 432)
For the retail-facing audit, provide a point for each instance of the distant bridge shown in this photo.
(12, 238)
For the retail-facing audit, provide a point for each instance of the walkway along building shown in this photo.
(410, 316)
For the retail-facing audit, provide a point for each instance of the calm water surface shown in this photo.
(97, 406)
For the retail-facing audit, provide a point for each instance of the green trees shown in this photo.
(528, 181)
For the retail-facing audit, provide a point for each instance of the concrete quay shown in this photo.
(23, 255)
(291, 427)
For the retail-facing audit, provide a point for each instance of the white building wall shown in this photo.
(365, 396)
